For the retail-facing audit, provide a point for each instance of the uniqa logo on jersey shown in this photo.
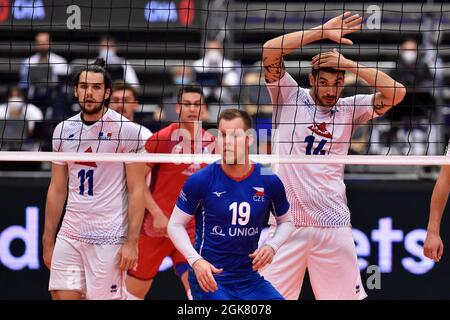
(235, 232)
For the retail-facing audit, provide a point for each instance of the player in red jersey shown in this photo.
(184, 136)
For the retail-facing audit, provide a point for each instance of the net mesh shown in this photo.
(159, 46)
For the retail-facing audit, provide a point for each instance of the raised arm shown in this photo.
(334, 29)
(390, 92)
(56, 197)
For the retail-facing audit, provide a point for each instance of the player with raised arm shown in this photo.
(167, 179)
(98, 238)
(317, 121)
(229, 200)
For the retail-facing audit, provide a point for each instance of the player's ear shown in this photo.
(107, 93)
(75, 93)
(312, 80)
(178, 108)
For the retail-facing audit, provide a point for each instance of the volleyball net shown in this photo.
(158, 47)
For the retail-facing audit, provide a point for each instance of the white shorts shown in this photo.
(329, 254)
(89, 269)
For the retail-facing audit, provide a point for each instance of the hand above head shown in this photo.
(332, 59)
(337, 28)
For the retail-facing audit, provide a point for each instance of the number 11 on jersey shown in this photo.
(89, 175)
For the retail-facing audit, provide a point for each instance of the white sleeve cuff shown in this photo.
(179, 236)
(284, 229)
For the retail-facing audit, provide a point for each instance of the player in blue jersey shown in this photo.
(230, 200)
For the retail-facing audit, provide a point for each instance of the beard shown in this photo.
(324, 102)
(96, 109)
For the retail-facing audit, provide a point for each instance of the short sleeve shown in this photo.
(363, 107)
(192, 192)
(280, 204)
(280, 91)
(57, 142)
(132, 142)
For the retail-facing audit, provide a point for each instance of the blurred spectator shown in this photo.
(218, 75)
(411, 117)
(17, 119)
(118, 67)
(124, 101)
(181, 75)
(42, 73)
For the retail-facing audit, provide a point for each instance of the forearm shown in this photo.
(53, 210)
(284, 229)
(150, 203)
(437, 207)
(135, 213)
(180, 237)
(392, 91)
(285, 44)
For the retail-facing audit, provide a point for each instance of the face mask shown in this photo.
(15, 103)
(107, 54)
(214, 57)
(409, 57)
(180, 80)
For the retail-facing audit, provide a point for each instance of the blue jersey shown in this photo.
(230, 213)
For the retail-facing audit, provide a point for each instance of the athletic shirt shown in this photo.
(167, 179)
(229, 214)
(316, 192)
(97, 202)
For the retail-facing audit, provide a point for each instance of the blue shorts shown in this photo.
(248, 287)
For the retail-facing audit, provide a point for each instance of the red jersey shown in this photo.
(168, 179)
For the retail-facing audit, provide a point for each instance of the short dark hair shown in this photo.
(192, 88)
(18, 90)
(231, 114)
(315, 72)
(120, 85)
(97, 67)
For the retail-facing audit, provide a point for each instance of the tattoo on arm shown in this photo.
(273, 70)
(379, 106)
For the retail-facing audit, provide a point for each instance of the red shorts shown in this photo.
(152, 251)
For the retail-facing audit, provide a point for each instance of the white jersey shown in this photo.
(97, 202)
(316, 192)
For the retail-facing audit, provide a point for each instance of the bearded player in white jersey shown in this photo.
(98, 238)
(317, 121)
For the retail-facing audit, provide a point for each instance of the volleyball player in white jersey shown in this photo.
(317, 121)
(98, 238)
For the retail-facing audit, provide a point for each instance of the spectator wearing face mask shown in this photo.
(214, 61)
(118, 67)
(41, 75)
(411, 117)
(16, 108)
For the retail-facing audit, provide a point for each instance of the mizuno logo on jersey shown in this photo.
(321, 130)
(259, 194)
(218, 194)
